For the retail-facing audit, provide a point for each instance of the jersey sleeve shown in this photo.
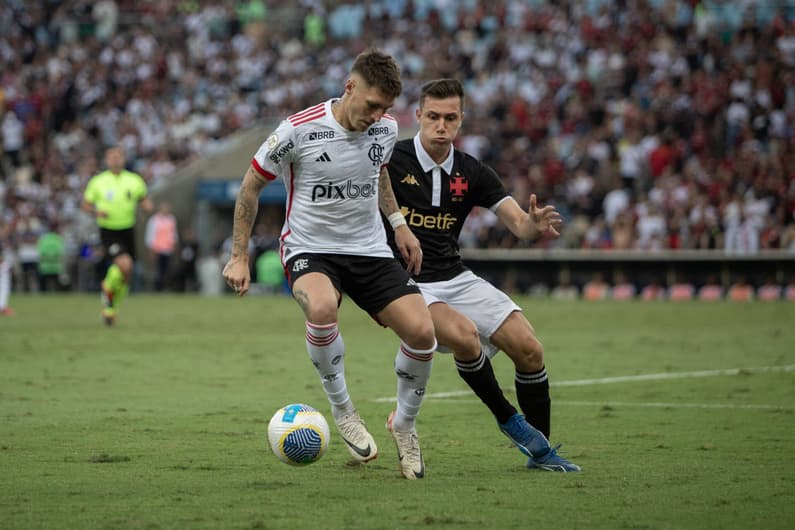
(393, 138)
(140, 188)
(275, 155)
(491, 190)
(90, 193)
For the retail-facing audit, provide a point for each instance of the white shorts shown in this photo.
(475, 298)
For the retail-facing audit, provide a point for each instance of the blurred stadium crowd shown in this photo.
(658, 124)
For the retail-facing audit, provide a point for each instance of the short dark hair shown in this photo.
(379, 70)
(442, 89)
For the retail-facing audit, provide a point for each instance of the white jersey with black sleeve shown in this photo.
(331, 178)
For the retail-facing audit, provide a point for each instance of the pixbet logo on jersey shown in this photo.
(346, 190)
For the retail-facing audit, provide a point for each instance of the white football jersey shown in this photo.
(331, 178)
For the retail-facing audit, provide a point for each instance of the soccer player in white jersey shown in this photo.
(333, 159)
(436, 187)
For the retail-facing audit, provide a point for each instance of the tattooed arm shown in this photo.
(236, 271)
(406, 241)
(386, 197)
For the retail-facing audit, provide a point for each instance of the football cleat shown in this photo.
(108, 311)
(108, 316)
(106, 296)
(412, 466)
(527, 438)
(358, 441)
(552, 461)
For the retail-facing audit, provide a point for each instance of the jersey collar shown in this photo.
(427, 162)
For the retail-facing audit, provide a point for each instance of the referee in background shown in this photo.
(112, 197)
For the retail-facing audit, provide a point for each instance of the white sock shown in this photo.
(5, 282)
(327, 351)
(413, 368)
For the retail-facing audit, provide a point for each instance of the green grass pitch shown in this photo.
(160, 421)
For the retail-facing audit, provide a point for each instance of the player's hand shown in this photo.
(101, 214)
(237, 275)
(410, 249)
(547, 219)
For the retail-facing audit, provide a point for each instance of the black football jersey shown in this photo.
(471, 183)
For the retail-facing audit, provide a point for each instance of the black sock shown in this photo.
(479, 375)
(532, 393)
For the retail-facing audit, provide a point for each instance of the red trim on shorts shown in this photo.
(267, 175)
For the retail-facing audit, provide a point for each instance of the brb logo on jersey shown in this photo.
(346, 190)
(376, 154)
(321, 135)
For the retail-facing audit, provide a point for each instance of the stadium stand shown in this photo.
(652, 125)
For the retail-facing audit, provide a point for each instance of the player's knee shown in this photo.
(421, 335)
(535, 353)
(530, 357)
(321, 317)
(466, 344)
(321, 314)
(125, 264)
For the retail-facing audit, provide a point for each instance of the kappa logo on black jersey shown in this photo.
(323, 158)
(320, 135)
(410, 179)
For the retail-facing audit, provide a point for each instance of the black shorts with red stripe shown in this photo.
(372, 283)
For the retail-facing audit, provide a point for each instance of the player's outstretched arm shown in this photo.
(406, 241)
(236, 272)
(532, 224)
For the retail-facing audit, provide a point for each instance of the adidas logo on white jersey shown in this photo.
(323, 158)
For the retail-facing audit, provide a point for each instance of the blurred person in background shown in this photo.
(5, 276)
(113, 197)
(162, 239)
(51, 259)
(186, 278)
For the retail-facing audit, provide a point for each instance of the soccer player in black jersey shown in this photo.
(436, 187)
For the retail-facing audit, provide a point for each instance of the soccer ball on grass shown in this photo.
(298, 434)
